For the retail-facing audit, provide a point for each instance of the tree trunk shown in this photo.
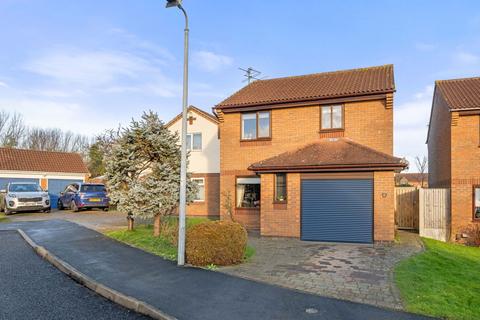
(130, 223)
(157, 222)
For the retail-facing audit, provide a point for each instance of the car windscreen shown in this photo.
(92, 188)
(27, 187)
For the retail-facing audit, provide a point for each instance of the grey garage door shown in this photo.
(5, 181)
(55, 186)
(337, 210)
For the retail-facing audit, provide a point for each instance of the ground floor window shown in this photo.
(281, 187)
(200, 196)
(248, 192)
(476, 202)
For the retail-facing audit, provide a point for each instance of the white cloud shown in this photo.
(105, 71)
(3, 84)
(209, 61)
(466, 58)
(411, 126)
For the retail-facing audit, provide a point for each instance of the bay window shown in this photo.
(248, 192)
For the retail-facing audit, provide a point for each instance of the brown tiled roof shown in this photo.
(329, 154)
(461, 94)
(345, 83)
(45, 161)
(205, 114)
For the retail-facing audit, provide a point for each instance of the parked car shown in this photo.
(78, 196)
(24, 196)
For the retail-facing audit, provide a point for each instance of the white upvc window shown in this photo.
(194, 141)
(200, 196)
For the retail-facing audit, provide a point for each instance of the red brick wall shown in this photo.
(211, 206)
(281, 219)
(384, 201)
(465, 169)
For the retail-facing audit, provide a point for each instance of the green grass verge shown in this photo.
(3, 218)
(142, 238)
(444, 281)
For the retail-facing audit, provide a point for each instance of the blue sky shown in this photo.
(88, 65)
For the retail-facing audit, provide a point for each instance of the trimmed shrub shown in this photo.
(220, 243)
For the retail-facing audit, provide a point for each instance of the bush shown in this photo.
(220, 243)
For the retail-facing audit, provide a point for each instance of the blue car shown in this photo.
(78, 196)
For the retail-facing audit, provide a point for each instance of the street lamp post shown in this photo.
(183, 164)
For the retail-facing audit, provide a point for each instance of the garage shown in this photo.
(51, 170)
(6, 180)
(55, 186)
(337, 210)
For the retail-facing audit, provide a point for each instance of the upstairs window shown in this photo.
(476, 203)
(256, 125)
(194, 141)
(281, 187)
(331, 117)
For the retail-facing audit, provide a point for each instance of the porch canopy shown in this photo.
(328, 155)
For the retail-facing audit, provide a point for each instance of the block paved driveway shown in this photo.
(360, 273)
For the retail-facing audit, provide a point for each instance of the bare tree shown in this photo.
(56, 140)
(421, 163)
(12, 129)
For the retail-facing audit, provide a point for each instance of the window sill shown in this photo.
(331, 130)
(258, 139)
(199, 201)
(248, 208)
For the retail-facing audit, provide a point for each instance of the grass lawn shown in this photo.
(142, 238)
(3, 218)
(444, 281)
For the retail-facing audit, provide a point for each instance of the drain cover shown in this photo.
(311, 310)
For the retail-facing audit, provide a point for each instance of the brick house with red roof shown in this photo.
(311, 156)
(454, 149)
(51, 170)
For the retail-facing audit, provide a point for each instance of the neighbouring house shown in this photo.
(52, 170)
(203, 143)
(454, 149)
(412, 179)
(310, 156)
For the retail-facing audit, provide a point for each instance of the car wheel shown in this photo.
(7, 212)
(60, 205)
(47, 211)
(73, 207)
(106, 209)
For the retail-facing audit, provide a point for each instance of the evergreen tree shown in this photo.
(143, 170)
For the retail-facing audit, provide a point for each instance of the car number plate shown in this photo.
(95, 199)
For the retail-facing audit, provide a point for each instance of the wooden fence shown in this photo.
(406, 208)
(434, 213)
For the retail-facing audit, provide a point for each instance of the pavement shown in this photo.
(31, 288)
(360, 273)
(92, 219)
(186, 293)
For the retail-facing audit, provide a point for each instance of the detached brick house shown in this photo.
(204, 161)
(311, 156)
(454, 148)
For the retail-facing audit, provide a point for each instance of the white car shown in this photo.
(24, 196)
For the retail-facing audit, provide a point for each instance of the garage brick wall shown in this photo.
(384, 201)
(281, 219)
(368, 122)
